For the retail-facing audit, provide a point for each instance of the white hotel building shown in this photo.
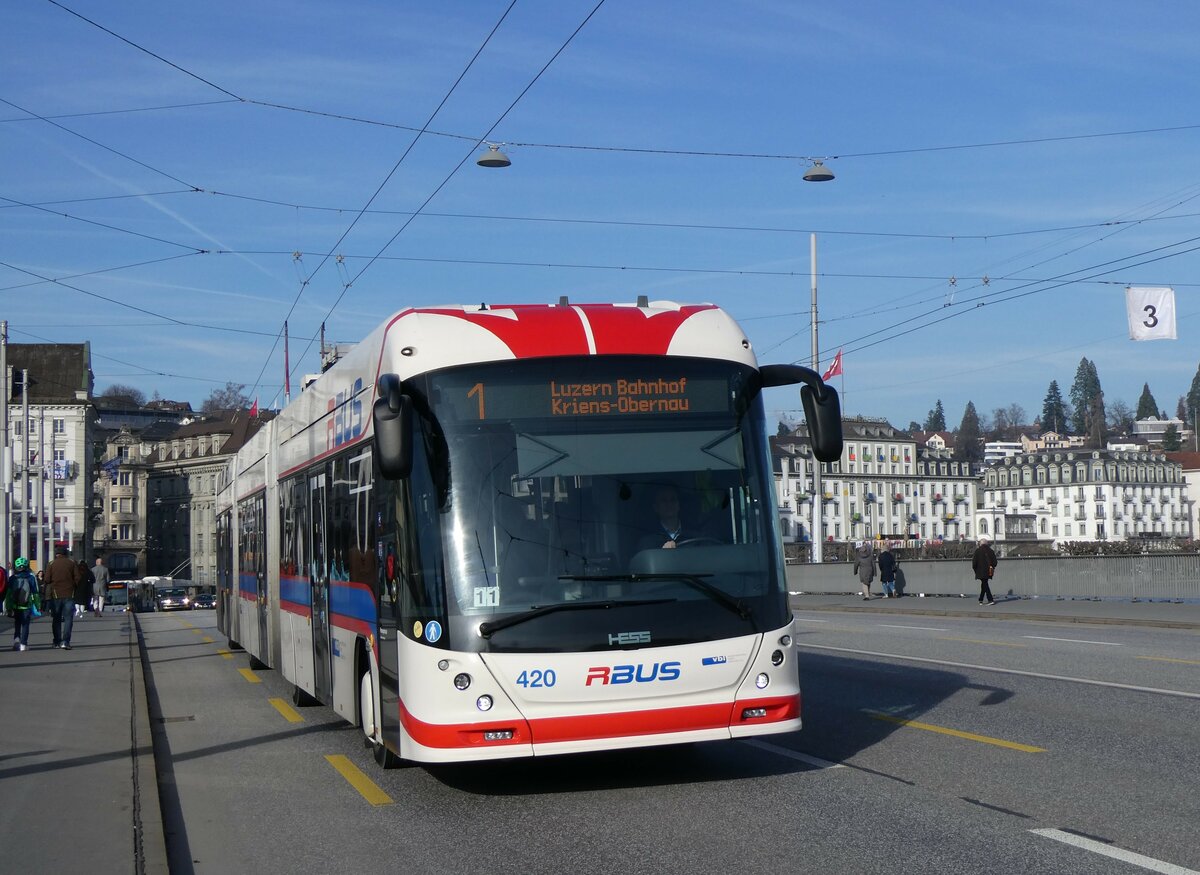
(884, 485)
(1085, 495)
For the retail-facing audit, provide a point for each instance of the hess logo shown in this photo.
(632, 674)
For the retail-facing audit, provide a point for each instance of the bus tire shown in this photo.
(257, 664)
(372, 735)
(302, 699)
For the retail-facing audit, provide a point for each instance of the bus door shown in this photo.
(319, 576)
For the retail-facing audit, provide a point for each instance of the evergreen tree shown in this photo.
(969, 438)
(1193, 399)
(936, 420)
(1171, 440)
(1147, 406)
(913, 425)
(1084, 391)
(1097, 430)
(1181, 411)
(1054, 411)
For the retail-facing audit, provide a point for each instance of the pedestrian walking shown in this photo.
(984, 565)
(60, 581)
(83, 590)
(100, 580)
(887, 572)
(23, 600)
(864, 567)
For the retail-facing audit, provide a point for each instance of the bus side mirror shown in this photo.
(822, 408)
(392, 420)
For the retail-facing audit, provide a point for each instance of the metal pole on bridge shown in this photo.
(818, 497)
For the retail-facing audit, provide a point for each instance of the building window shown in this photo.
(60, 426)
(60, 492)
(123, 478)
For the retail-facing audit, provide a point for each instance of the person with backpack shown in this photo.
(23, 599)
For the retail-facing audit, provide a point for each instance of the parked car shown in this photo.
(204, 600)
(174, 599)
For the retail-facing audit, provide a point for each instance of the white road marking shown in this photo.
(809, 620)
(792, 754)
(922, 628)
(1116, 853)
(1029, 674)
(1075, 640)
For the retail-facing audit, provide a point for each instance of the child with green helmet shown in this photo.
(23, 600)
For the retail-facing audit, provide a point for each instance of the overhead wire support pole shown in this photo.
(818, 497)
(5, 455)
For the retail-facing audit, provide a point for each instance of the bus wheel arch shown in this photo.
(368, 711)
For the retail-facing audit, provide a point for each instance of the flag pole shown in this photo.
(818, 497)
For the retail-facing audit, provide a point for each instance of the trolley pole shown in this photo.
(24, 467)
(818, 497)
(5, 453)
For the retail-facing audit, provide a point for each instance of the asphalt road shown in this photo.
(945, 744)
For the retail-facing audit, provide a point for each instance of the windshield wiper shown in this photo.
(486, 629)
(696, 581)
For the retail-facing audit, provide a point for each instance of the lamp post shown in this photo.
(818, 504)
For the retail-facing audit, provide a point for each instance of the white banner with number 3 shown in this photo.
(1151, 313)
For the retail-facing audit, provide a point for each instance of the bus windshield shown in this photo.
(609, 502)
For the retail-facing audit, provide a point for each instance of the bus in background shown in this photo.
(122, 568)
(456, 537)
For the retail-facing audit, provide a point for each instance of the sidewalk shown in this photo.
(1170, 615)
(77, 752)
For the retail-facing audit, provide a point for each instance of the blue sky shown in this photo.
(660, 153)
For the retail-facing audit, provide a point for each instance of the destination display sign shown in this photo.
(508, 395)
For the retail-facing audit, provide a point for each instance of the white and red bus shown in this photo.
(453, 537)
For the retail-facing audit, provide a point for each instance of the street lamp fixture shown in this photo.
(818, 172)
(493, 157)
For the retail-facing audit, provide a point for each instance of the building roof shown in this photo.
(1188, 459)
(59, 373)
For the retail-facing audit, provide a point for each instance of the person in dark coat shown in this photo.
(58, 592)
(887, 572)
(83, 590)
(984, 565)
(864, 567)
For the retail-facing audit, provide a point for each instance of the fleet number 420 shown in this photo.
(537, 678)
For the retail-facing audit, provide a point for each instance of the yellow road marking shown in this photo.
(185, 622)
(969, 736)
(249, 675)
(1169, 659)
(225, 653)
(360, 782)
(981, 641)
(290, 714)
(207, 640)
(197, 631)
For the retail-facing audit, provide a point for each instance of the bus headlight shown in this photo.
(462, 681)
(785, 641)
(762, 680)
(777, 658)
(484, 703)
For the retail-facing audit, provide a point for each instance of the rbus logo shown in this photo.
(629, 674)
(345, 420)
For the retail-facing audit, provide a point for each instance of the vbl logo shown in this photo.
(628, 674)
(345, 420)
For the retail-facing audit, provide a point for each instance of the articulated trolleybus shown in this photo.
(511, 531)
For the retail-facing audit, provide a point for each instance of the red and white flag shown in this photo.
(254, 409)
(835, 368)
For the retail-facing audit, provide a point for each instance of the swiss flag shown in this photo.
(835, 369)
(254, 407)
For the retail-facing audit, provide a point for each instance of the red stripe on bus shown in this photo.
(295, 608)
(591, 727)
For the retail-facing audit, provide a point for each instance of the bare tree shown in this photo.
(1120, 417)
(232, 397)
(131, 395)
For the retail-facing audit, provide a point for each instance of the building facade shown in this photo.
(1085, 495)
(50, 493)
(885, 485)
